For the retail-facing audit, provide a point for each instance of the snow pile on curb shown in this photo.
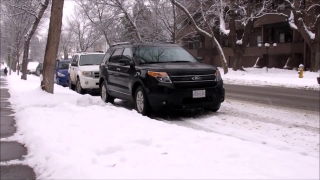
(274, 77)
(70, 136)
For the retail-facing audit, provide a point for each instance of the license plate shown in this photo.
(199, 93)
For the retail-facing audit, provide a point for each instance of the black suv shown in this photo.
(158, 76)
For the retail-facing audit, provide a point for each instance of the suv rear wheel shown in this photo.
(105, 96)
(141, 102)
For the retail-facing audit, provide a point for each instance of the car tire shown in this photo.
(79, 88)
(214, 109)
(141, 102)
(105, 96)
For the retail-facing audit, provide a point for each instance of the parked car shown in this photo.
(159, 76)
(32, 66)
(39, 69)
(84, 71)
(61, 72)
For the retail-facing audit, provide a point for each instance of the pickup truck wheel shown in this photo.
(105, 96)
(71, 86)
(214, 109)
(141, 102)
(79, 88)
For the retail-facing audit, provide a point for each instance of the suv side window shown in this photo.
(127, 54)
(116, 55)
(75, 60)
(107, 56)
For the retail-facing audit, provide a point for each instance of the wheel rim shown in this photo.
(140, 101)
(78, 87)
(104, 93)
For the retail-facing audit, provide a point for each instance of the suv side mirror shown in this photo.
(74, 64)
(199, 59)
(126, 62)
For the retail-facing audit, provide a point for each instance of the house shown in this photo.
(289, 52)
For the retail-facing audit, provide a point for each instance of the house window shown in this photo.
(282, 37)
(179, 26)
(259, 39)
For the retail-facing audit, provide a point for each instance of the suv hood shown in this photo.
(178, 67)
(89, 68)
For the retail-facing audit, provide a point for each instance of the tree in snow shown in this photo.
(200, 19)
(241, 13)
(17, 22)
(103, 18)
(306, 19)
(171, 22)
(67, 39)
(37, 15)
(125, 7)
(55, 25)
(83, 30)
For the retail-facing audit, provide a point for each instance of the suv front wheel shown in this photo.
(105, 96)
(79, 88)
(141, 102)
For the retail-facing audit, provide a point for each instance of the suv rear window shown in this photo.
(149, 54)
(91, 59)
(63, 65)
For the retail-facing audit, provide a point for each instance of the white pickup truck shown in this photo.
(84, 71)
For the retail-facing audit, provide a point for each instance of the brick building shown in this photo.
(291, 50)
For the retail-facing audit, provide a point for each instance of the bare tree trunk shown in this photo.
(28, 38)
(237, 64)
(17, 63)
(52, 45)
(315, 60)
(65, 53)
(25, 59)
(174, 34)
(9, 59)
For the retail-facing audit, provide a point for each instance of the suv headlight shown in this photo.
(60, 74)
(160, 76)
(218, 75)
(87, 73)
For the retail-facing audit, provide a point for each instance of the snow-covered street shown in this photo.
(274, 77)
(72, 136)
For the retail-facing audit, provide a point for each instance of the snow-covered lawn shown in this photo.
(72, 136)
(274, 77)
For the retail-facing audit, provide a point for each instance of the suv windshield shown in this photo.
(63, 65)
(91, 59)
(149, 54)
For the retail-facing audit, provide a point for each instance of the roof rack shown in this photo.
(120, 43)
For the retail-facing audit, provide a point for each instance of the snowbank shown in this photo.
(274, 77)
(72, 136)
